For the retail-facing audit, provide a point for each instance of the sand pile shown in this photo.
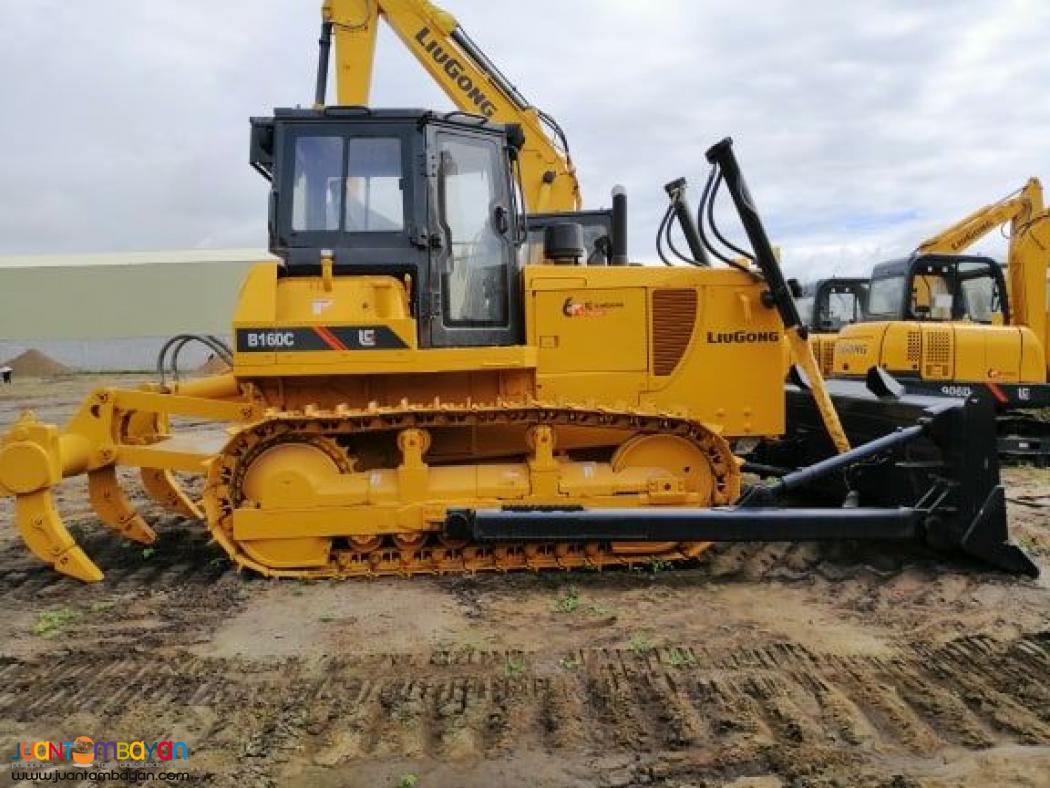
(213, 366)
(34, 364)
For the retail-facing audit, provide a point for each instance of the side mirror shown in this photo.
(515, 136)
(261, 150)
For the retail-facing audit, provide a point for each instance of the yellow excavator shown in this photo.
(408, 397)
(953, 324)
(826, 305)
(550, 189)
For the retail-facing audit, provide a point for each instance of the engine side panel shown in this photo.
(699, 340)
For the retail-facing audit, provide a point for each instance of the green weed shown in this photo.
(570, 663)
(640, 644)
(681, 658)
(515, 666)
(656, 565)
(51, 622)
(569, 602)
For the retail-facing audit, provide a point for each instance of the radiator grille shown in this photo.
(826, 355)
(938, 360)
(914, 348)
(674, 316)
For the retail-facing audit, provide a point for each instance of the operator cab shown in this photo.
(939, 288)
(829, 304)
(427, 198)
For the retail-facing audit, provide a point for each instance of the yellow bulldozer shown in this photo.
(410, 395)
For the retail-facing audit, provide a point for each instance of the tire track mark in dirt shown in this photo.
(779, 707)
(817, 664)
(184, 557)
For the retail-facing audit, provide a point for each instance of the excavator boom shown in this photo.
(1016, 208)
(466, 75)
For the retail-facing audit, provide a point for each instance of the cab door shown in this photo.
(475, 288)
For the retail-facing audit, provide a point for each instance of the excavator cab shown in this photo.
(426, 198)
(829, 304)
(940, 288)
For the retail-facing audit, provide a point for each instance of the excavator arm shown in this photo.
(1017, 208)
(1028, 256)
(464, 73)
(1026, 270)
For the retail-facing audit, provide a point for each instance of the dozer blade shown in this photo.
(114, 509)
(161, 486)
(47, 538)
(949, 472)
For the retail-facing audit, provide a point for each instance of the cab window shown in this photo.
(317, 196)
(805, 307)
(471, 196)
(979, 292)
(886, 296)
(964, 291)
(375, 199)
(843, 308)
(353, 185)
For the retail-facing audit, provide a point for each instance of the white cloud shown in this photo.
(862, 127)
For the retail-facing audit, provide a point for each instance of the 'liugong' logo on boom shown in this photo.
(455, 70)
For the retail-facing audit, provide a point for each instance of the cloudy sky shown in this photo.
(863, 126)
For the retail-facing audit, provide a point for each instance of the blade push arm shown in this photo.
(472, 81)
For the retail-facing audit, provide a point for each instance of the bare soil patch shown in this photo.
(757, 665)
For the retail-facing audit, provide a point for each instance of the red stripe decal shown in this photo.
(998, 392)
(329, 338)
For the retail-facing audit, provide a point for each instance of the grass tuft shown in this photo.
(570, 663)
(640, 644)
(681, 658)
(50, 623)
(515, 666)
(568, 602)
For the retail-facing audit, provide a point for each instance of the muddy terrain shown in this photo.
(755, 666)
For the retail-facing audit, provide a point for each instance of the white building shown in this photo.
(112, 312)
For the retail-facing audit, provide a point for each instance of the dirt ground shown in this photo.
(755, 666)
